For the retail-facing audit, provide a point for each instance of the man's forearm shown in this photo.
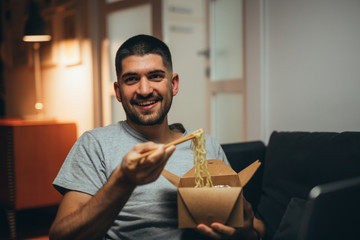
(81, 216)
(93, 219)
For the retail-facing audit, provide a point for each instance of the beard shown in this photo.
(149, 117)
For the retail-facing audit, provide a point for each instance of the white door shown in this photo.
(227, 79)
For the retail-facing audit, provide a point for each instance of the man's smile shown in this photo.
(145, 103)
(149, 102)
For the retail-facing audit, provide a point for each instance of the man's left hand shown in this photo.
(221, 231)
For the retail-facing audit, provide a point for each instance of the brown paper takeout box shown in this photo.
(207, 205)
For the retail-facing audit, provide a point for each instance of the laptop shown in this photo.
(332, 212)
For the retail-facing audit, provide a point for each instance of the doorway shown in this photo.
(205, 38)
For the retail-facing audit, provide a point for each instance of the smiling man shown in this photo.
(145, 88)
(107, 196)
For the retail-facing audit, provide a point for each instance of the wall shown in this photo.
(68, 91)
(308, 60)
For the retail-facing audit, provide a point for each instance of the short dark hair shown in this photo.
(142, 45)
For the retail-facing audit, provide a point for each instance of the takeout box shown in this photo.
(222, 204)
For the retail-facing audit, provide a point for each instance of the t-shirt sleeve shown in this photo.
(83, 169)
(215, 150)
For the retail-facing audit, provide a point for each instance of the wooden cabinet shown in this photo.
(32, 153)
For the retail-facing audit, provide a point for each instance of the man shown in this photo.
(108, 196)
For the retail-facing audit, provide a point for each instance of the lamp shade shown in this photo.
(35, 27)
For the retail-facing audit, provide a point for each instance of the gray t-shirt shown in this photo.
(151, 211)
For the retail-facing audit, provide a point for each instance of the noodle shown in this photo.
(200, 164)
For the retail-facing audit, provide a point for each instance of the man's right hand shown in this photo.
(147, 169)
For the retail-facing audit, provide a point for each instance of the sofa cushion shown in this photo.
(297, 161)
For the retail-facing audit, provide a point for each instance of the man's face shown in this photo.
(145, 88)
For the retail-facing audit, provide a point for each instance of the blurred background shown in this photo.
(246, 68)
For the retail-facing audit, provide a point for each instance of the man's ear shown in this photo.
(175, 83)
(117, 91)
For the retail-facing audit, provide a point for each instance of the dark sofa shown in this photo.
(293, 163)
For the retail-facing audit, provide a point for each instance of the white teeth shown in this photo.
(146, 103)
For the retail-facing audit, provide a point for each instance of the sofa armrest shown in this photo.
(241, 155)
(295, 162)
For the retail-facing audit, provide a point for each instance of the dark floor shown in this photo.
(30, 223)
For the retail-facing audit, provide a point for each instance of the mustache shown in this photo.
(149, 97)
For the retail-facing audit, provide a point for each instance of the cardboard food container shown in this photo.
(218, 204)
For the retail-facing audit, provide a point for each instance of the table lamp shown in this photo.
(36, 32)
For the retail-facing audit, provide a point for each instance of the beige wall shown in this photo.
(303, 66)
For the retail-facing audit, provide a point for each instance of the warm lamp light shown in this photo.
(36, 38)
(36, 32)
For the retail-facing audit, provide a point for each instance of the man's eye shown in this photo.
(156, 77)
(130, 80)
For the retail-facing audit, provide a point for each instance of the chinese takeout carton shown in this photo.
(222, 204)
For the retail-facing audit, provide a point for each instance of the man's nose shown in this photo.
(145, 87)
